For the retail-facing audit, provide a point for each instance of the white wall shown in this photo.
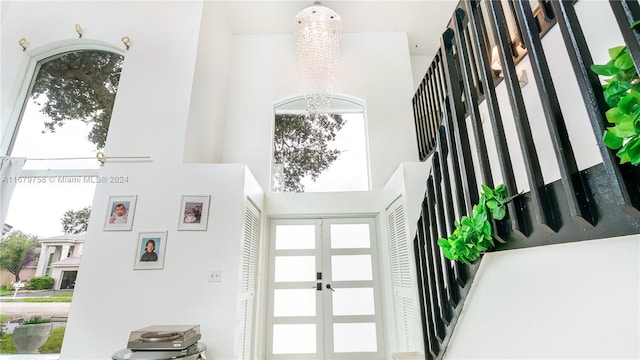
(207, 113)
(373, 67)
(577, 300)
(109, 292)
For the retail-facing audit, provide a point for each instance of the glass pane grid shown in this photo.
(354, 337)
(294, 302)
(351, 267)
(353, 301)
(350, 236)
(295, 268)
(295, 237)
(294, 338)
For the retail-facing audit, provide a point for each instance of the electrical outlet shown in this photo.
(214, 275)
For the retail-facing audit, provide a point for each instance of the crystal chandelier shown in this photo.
(318, 30)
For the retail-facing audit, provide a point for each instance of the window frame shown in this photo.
(21, 92)
(356, 106)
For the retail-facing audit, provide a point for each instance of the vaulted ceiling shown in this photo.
(423, 21)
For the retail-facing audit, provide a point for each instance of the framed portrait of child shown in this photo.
(194, 211)
(120, 212)
(150, 249)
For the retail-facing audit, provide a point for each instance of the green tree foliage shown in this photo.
(76, 221)
(16, 250)
(301, 145)
(79, 85)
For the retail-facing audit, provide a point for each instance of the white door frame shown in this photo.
(324, 319)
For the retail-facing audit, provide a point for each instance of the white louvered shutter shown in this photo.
(402, 279)
(247, 298)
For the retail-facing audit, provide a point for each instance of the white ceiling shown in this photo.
(423, 21)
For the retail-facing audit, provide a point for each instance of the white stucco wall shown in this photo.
(208, 110)
(111, 293)
(577, 301)
(373, 67)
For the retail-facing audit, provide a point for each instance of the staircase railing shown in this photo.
(459, 93)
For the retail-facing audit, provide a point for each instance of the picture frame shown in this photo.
(116, 220)
(194, 212)
(150, 257)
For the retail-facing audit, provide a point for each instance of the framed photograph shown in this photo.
(149, 254)
(120, 213)
(194, 211)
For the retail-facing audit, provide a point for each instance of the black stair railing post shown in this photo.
(421, 119)
(575, 190)
(442, 178)
(435, 213)
(430, 112)
(626, 13)
(543, 212)
(457, 122)
(472, 98)
(428, 333)
(459, 205)
(418, 125)
(514, 208)
(624, 188)
(474, 112)
(428, 224)
(434, 101)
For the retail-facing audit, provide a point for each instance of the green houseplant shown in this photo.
(473, 234)
(31, 334)
(622, 93)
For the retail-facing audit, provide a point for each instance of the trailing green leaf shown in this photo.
(611, 141)
(621, 92)
(473, 234)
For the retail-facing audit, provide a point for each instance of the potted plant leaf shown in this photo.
(622, 93)
(32, 333)
(473, 234)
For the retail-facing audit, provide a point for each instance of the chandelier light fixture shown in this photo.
(318, 31)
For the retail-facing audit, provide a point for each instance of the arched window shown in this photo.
(66, 115)
(63, 122)
(322, 154)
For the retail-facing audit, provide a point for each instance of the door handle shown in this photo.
(330, 288)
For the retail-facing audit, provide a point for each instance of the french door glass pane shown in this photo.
(349, 236)
(293, 237)
(354, 337)
(294, 338)
(353, 301)
(294, 302)
(295, 268)
(351, 267)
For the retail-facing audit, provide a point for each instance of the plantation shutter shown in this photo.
(402, 280)
(246, 306)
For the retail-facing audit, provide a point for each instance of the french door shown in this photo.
(324, 301)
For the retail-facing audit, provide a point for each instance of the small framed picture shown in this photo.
(194, 211)
(120, 213)
(149, 254)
